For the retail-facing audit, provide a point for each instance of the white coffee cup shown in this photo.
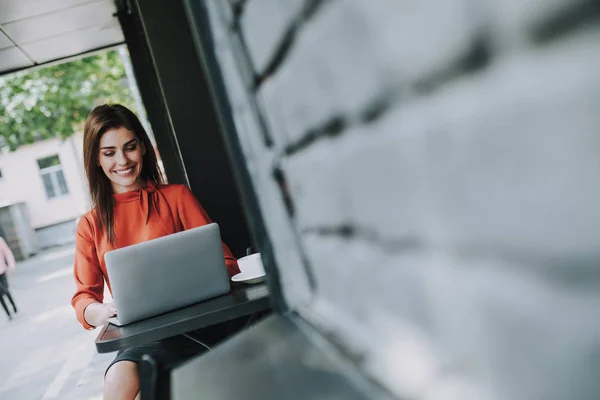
(251, 265)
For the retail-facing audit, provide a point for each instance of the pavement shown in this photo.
(44, 352)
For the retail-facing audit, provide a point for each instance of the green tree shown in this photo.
(54, 101)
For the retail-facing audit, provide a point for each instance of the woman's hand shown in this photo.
(97, 314)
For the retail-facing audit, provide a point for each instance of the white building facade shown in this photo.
(49, 177)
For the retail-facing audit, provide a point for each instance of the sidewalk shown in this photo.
(46, 354)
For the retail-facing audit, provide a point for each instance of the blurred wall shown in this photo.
(428, 172)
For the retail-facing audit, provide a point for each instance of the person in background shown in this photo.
(130, 204)
(7, 264)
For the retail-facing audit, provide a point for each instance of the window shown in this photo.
(53, 176)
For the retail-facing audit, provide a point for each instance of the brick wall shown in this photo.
(429, 173)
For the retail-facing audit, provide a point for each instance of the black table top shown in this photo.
(278, 359)
(241, 301)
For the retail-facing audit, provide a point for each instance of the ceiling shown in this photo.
(34, 32)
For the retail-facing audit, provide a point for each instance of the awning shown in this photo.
(34, 32)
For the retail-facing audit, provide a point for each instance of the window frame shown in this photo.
(52, 174)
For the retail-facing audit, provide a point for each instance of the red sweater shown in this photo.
(139, 215)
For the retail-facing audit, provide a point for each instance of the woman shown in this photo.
(130, 204)
(7, 263)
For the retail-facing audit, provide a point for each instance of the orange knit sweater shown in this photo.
(139, 215)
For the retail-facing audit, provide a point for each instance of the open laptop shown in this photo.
(161, 275)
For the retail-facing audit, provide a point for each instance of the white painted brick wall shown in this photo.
(495, 164)
(473, 270)
(494, 331)
(496, 177)
(349, 53)
(516, 20)
(362, 186)
(264, 23)
(412, 173)
(260, 161)
(317, 88)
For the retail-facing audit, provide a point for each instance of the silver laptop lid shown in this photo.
(160, 275)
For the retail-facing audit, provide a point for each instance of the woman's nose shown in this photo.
(121, 158)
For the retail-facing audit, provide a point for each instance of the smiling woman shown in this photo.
(114, 142)
(130, 204)
(121, 159)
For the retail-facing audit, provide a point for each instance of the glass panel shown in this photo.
(48, 185)
(48, 161)
(62, 183)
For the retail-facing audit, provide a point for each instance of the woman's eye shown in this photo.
(109, 154)
(132, 148)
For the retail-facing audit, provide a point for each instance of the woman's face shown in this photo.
(121, 158)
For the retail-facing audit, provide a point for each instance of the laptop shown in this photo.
(161, 275)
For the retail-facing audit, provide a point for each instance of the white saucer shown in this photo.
(249, 277)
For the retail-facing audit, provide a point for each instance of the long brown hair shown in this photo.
(100, 120)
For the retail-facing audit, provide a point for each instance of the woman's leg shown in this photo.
(121, 381)
(4, 306)
(11, 301)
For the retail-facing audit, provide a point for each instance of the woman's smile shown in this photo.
(125, 172)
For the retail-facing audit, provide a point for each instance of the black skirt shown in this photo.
(178, 349)
(168, 352)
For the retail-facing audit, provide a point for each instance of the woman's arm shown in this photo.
(193, 215)
(89, 280)
(8, 254)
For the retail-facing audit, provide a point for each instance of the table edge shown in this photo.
(246, 308)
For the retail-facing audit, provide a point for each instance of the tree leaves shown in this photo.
(54, 101)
